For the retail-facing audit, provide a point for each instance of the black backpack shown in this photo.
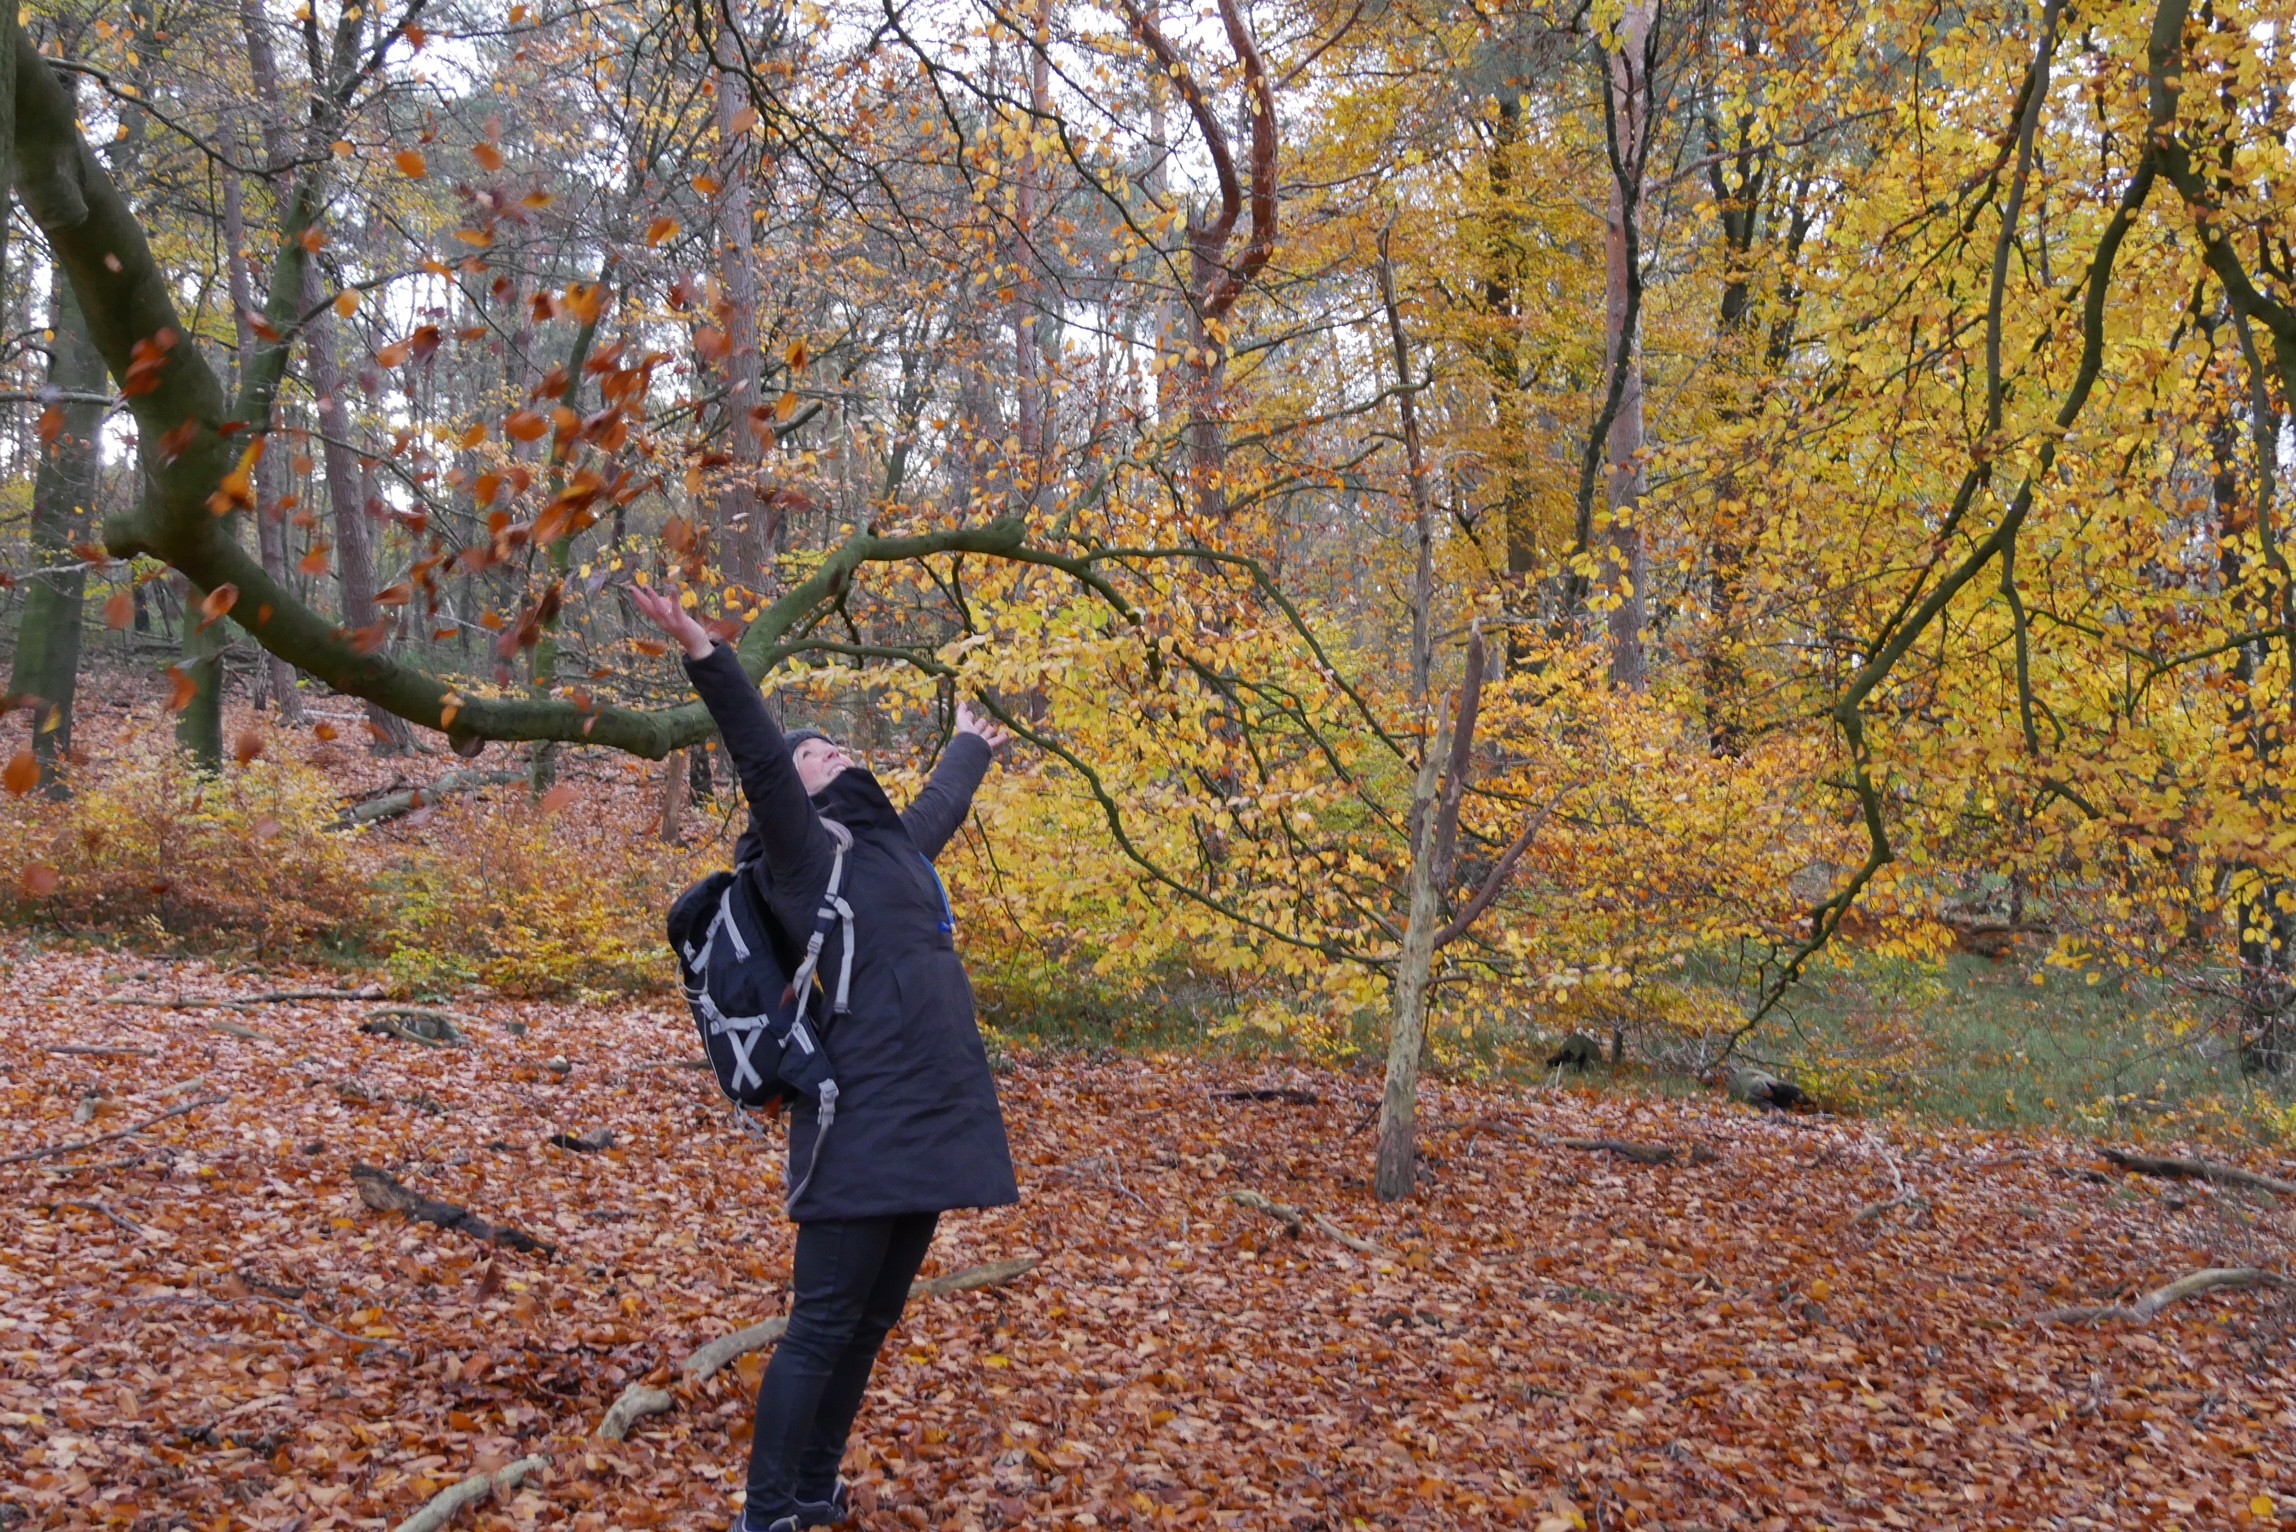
(749, 1001)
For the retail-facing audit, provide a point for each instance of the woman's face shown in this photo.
(818, 762)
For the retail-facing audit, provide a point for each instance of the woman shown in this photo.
(918, 1131)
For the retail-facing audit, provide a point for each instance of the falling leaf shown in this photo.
(23, 773)
(247, 746)
(347, 302)
(659, 230)
(51, 424)
(184, 689)
(411, 164)
(39, 879)
(217, 604)
(488, 156)
(558, 798)
(324, 731)
(120, 611)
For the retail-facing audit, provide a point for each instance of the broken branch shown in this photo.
(2145, 1309)
(386, 1194)
(1289, 1217)
(90, 1143)
(479, 1486)
(1644, 1154)
(2198, 1170)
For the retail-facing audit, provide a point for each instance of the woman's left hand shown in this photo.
(988, 730)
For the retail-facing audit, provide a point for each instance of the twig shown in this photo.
(2143, 1311)
(240, 1002)
(705, 1363)
(479, 1486)
(90, 1143)
(2198, 1170)
(128, 1224)
(288, 1304)
(78, 1051)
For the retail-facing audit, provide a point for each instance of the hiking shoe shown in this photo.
(742, 1523)
(833, 1512)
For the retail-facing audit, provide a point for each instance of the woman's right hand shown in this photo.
(668, 612)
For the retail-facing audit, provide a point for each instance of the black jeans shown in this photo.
(850, 1281)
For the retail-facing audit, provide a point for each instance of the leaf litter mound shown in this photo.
(1802, 1323)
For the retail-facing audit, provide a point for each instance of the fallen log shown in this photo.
(432, 1029)
(592, 1142)
(2145, 1309)
(90, 1143)
(385, 1194)
(2198, 1170)
(479, 1486)
(1289, 1217)
(407, 800)
(1644, 1154)
(1289, 1095)
(83, 1051)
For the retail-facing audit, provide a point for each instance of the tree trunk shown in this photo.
(677, 782)
(63, 501)
(354, 557)
(270, 536)
(1626, 562)
(199, 727)
(744, 542)
(1414, 968)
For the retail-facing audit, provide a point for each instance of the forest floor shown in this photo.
(203, 1326)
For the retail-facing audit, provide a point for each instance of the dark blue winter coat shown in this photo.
(918, 1129)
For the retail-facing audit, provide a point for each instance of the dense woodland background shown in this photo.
(1749, 536)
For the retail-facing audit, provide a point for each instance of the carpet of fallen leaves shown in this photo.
(201, 1326)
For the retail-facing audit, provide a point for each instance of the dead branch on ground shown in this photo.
(90, 1143)
(2198, 1170)
(479, 1486)
(641, 1399)
(407, 800)
(385, 1194)
(1289, 1217)
(2145, 1309)
(1643, 1154)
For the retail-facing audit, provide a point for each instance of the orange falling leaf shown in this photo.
(185, 689)
(659, 230)
(314, 563)
(411, 164)
(217, 604)
(325, 732)
(39, 880)
(51, 424)
(120, 611)
(489, 158)
(525, 426)
(247, 746)
(558, 798)
(346, 303)
(23, 773)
